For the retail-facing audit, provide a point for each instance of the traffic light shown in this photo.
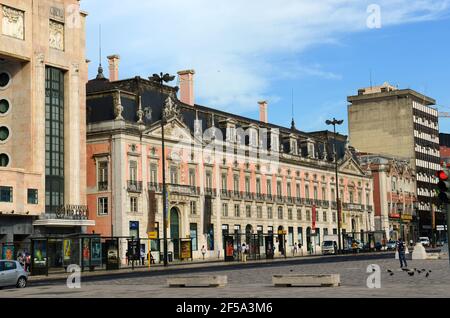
(444, 184)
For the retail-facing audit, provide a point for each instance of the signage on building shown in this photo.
(57, 13)
(314, 217)
(207, 214)
(394, 215)
(406, 217)
(152, 208)
(186, 250)
(441, 227)
(153, 235)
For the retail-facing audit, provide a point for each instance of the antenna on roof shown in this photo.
(292, 100)
(100, 68)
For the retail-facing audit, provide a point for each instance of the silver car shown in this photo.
(12, 274)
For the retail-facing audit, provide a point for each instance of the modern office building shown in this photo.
(43, 72)
(401, 122)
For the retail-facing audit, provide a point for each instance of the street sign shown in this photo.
(153, 235)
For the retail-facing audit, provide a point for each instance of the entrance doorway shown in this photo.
(175, 231)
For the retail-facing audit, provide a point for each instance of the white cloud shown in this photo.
(231, 43)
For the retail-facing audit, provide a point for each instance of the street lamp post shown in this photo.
(335, 122)
(161, 79)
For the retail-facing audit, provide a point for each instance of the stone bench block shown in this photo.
(198, 281)
(307, 280)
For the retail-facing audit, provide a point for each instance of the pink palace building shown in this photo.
(226, 175)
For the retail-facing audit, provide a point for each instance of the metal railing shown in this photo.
(134, 186)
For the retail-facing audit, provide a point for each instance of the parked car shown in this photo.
(12, 274)
(425, 241)
(391, 245)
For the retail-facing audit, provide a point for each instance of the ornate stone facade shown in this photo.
(56, 37)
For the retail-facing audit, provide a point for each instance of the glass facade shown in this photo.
(54, 139)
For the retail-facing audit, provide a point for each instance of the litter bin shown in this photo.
(170, 257)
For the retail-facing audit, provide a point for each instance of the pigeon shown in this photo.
(405, 269)
(428, 274)
(411, 273)
(390, 272)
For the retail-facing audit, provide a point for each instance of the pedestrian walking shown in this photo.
(401, 253)
(142, 257)
(27, 262)
(295, 248)
(203, 251)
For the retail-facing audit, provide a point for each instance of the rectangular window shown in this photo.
(290, 217)
(308, 215)
(269, 186)
(102, 176)
(174, 175)
(154, 173)
(247, 184)
(236, 183)
(133, 171)
(258, 186)
(237, 210)
(351, 196)
(297, 190)
(280, 213)
(289, 193)
(333, 195)
(6, 194)
(324, 216)
(300, 235)
(225, 209)
(324, 194)
(299, 214)
(193, 207)
(224, 181)
(32, 196)
(54, 139)
(193, 234)
(192, 177)
(291, 235)
(269, 212)
(359, 197)
(102, 206)
(259, 212)
(208, 179)
(133, 204)
(316, 196)
(248, 211)
(306, 192)
(334, 217)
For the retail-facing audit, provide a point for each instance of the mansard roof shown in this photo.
(100, 107)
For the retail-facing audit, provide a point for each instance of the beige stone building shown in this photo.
(43, 72)
(401, 122)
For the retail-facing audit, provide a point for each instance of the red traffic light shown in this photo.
(442, 175)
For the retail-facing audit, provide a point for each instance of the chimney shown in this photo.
(187, 86)
(263, 111)
(113, 67)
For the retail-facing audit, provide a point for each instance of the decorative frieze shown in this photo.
(13, 22)
(56, 35)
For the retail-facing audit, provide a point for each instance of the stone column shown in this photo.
(38, 115)
(72, 138)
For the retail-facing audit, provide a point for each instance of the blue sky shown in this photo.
(245, 51)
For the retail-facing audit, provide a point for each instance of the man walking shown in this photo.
(401, 253)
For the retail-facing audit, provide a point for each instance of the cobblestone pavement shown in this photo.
(257, 283)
